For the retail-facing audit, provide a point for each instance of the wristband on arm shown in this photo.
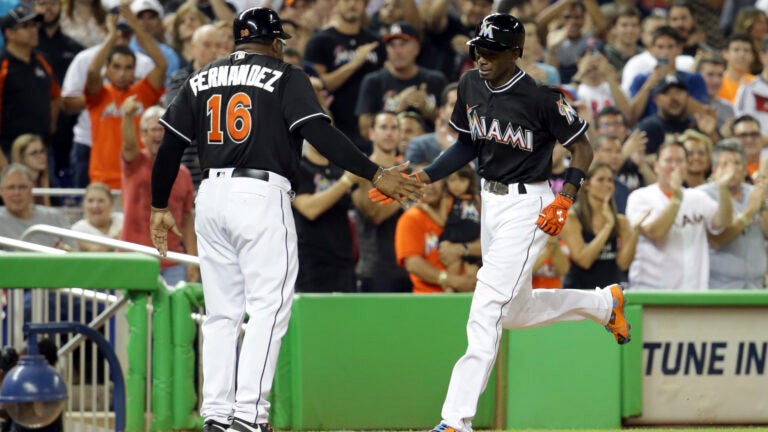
(574, 176)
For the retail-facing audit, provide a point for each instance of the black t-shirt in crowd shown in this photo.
(379, 89)
(332, 49)
(327, 239)
(243, 110)
(514, 127)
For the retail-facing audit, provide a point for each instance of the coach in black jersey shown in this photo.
(248, 113)
(510, 123)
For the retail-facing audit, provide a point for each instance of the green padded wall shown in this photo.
(564, 376)
(371, 362)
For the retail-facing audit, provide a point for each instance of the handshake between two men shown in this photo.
(551, 219)
(395, 184)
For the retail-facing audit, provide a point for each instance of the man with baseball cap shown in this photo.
(150, 13)
(28, 92)
(401, 84)
(670, 95)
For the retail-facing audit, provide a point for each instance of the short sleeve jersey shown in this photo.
(244, 110)
(514, 126)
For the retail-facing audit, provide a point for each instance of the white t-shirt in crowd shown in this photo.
(680, 261)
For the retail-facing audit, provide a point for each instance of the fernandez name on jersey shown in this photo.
(235, 75)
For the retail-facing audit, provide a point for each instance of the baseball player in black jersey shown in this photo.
(249, 112)
(510, 123)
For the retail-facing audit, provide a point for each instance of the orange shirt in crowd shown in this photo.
(104, 111)
(417, 234)
(730, 87)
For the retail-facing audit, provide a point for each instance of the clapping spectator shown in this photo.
(672, 251)
(699, 149)
(737, 255)
(601, 242)
(29, 150)
(100, 219)
(401, 84)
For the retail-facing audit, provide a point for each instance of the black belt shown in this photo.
(499, 188)
(244, 172)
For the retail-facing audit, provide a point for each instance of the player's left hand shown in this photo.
(160, 221)
(552, 218)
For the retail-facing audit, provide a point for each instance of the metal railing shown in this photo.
(27, 246)
(106, 241)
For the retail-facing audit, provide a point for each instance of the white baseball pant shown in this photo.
(504, 297)
(248, 263)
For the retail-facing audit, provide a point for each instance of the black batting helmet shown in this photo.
(498, 32)
(258, 23)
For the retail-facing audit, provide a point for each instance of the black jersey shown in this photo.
(514, 127)
(243, 110)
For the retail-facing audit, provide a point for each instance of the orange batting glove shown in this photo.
(552, 218)
(376, 196)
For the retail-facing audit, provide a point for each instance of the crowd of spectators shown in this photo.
(675, 91)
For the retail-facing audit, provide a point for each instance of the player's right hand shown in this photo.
(552, 218)
(160, 221)
(394, 183)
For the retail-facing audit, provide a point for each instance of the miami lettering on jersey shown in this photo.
(239, 75)
(523, 139)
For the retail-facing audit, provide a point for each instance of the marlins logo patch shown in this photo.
(566, 110)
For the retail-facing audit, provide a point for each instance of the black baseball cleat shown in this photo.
(214, 426)
(239, 425)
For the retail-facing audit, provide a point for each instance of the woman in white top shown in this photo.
(84, 21)
(99, 218)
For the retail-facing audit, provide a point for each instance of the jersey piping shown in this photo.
(519, 75)
(176, 132)
(303, 119)
(577, 134)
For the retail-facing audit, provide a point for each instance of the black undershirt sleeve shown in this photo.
(337, 148)
(166, 168)
(455, 157)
